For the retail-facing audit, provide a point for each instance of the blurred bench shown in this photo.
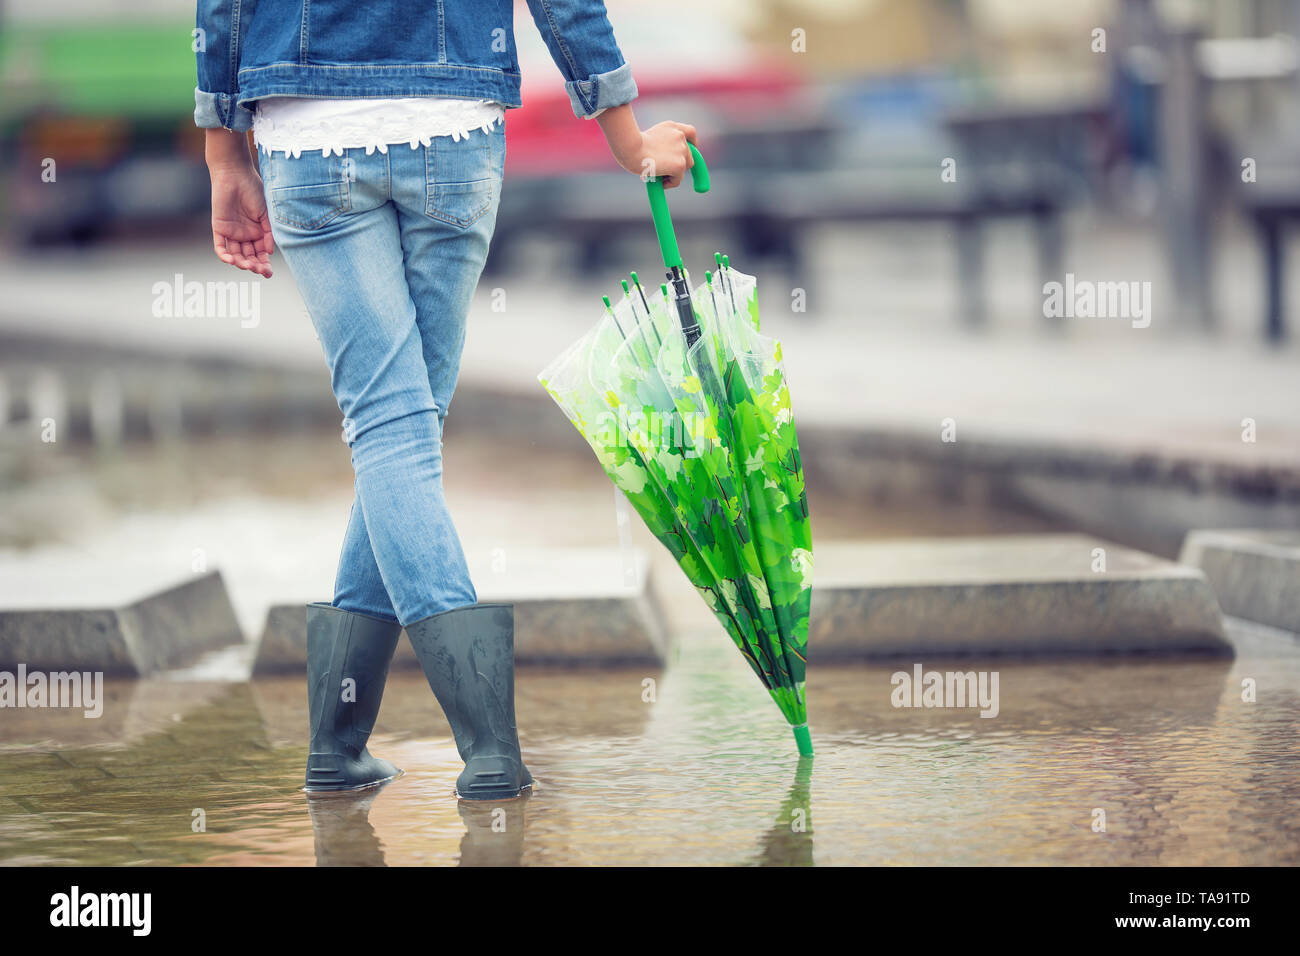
(1011, 162)
(770, 215)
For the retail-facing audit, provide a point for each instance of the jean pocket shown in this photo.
(461, 179)
(309, 206)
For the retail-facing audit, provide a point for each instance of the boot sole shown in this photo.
(487, 794)
(361, 786)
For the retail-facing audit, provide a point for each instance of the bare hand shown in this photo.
(241, 229)
(660, 150)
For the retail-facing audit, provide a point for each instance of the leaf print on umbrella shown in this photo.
(705, 449)
(709, 461)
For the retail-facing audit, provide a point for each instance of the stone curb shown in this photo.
(170, 627)
(1254, 573)
(577, 631)
(1022, 595)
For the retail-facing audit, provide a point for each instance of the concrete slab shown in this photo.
(574, 607)
(1254, 573)
(283, 646)
(170, 627)
(1024, 595)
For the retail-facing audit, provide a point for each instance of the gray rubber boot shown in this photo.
(468, 656)
(342, 646)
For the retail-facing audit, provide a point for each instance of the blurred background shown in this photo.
(905, 177)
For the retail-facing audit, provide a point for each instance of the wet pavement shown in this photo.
(85, 529)
(876, 341)
(694, 767)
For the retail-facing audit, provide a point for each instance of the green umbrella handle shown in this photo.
(659, 208)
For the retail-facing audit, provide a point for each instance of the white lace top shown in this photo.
(294, 124)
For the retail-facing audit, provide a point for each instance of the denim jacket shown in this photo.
(247, 49)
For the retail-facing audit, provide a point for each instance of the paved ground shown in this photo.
(272, 519)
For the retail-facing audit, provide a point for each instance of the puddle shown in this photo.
(1185, 771)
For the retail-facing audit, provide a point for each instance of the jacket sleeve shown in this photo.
(581, 41)
(218, 29)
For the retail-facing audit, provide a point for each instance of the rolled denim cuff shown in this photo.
(220, 110)
(601, 91)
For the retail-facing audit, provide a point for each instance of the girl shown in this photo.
(380, 134)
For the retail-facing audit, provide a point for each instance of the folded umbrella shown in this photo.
(685, 403)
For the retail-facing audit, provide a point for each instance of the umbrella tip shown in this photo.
(803, 738)
(605, 299)
(708, 277)
(635, 279)
(726, 262)
(717, 257)
(624, 281)
(664, 289)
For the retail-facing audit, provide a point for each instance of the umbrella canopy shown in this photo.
(685, 403)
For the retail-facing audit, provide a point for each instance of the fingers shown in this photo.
(258, 260)
(268, 244)
(219, 247)
(243, 255)
(673, 173)
(689, 131)
(688, 158)
(264, 247)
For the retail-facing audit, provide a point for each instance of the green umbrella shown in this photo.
(686, 406)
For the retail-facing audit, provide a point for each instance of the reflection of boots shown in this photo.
(341, 824)
(494, 833)
(347, 664)
(468, 656)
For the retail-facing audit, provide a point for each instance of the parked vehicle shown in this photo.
(95, 106)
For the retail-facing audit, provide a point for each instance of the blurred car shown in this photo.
(96, 100)
(753, 110)
(96, 107)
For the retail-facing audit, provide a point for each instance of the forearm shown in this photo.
(226, 151)
(624, 137)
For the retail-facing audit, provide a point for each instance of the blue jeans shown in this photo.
(387, 250)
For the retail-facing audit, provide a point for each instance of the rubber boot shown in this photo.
(342, 646)
(468, 656)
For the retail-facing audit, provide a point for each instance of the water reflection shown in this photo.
(340, 823)
(790, 840)
(699, 769)
(494, 833)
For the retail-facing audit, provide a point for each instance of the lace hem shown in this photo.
(294, 125)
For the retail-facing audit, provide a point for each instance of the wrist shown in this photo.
(623, 135)
(223, 171)
(226, 153)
